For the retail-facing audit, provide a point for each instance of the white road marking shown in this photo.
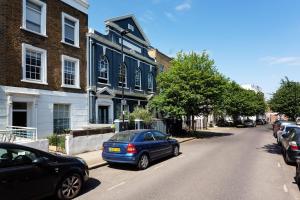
(278, 164)
(159, 167)
(115, 186)
(285, 188)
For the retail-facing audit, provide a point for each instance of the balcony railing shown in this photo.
(13, 133)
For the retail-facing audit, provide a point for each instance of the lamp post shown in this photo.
(124, 32)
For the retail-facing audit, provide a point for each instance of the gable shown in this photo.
(130, 23)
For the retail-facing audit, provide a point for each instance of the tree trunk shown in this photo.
(193, 123)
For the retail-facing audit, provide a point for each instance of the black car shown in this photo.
(291, 145)
(260, 122)
(27, 173)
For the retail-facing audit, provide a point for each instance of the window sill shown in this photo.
(138, 90)
(72, 45)
(35, 82)
(30, 31)
(108, 84)
(70, 86)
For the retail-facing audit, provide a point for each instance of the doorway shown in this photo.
(19, 114)
(103, 115)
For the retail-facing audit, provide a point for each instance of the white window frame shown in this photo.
(152, 81)
(130, 27)
(70, 113)
(43, 64)
(138, 70)
(125, 77)
(76, 34)
(43, 17)
(77, 70)
(103, 57)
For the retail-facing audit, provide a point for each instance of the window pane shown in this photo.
(33, 65)
(61, 117)
(69, 72)
(33, 16)
(69, 31)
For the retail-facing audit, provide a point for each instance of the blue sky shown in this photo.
(252, 42)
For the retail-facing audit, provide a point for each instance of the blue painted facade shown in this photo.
(105, 96)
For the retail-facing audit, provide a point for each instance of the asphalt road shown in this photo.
(236, 164)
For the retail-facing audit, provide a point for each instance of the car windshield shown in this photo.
(126, 136)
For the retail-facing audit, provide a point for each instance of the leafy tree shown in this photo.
(143, 114)
(192, 86)
(286, 99)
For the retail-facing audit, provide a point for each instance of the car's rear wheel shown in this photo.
(143, 162)
(69, 187)
(175, 151)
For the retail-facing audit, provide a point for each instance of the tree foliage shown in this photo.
(286, 99)
(192, 86)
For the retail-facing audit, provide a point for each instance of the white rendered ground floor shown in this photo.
(42, 109)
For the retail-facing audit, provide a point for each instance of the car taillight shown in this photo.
(131, 148)
(294, 146)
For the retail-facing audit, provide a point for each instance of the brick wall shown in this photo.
(11, 65)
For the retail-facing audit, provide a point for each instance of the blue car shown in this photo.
(139, 147)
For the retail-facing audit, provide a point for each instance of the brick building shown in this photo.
(163, 61)
(43, 64)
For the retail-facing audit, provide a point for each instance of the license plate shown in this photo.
(112, 149)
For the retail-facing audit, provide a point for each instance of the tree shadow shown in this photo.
(272, 148)
(202, 134)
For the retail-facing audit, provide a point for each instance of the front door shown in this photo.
(103, 115)
(19, 115)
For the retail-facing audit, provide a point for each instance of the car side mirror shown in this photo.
(40, 162)
(168, 136)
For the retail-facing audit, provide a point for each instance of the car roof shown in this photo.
(292, 125)
(135, 131)
(287, 122)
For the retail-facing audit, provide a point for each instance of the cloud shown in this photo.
(285, 60)
(186, 5)
(170, 16)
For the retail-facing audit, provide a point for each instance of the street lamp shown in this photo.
(123, 32)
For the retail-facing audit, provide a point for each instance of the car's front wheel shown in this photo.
(143, 162)
(175, 151)
(69, 187)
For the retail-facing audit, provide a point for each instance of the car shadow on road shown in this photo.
(272, 148)
(91, 184)
(203, 134)
(130, 167)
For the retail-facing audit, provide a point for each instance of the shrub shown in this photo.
(57, 140)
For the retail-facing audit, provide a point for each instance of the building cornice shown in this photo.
(81, 5)
(118, 47)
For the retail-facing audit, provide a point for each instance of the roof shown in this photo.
(134, 20)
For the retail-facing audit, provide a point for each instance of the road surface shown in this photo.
(234, 164)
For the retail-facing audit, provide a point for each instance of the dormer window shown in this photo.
(130, 27)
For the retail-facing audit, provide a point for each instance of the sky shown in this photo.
(252, 42)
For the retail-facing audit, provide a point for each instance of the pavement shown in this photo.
(94, 158)
(233, 164)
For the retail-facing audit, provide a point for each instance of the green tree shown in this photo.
(192, 86)
(286, 99)
(237, 101)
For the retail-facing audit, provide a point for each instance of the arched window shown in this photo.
(103, 70)
(123, 75)
(150, 82)
(138, 78)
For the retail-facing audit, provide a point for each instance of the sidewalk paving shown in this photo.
(94, 158)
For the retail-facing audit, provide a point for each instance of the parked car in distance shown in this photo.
(249, 123)
(284, 129)
(139, 147)
(28, 173)
(260, 122)
(277, 124)
(291, 145)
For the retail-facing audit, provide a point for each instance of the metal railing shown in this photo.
(14, 132)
